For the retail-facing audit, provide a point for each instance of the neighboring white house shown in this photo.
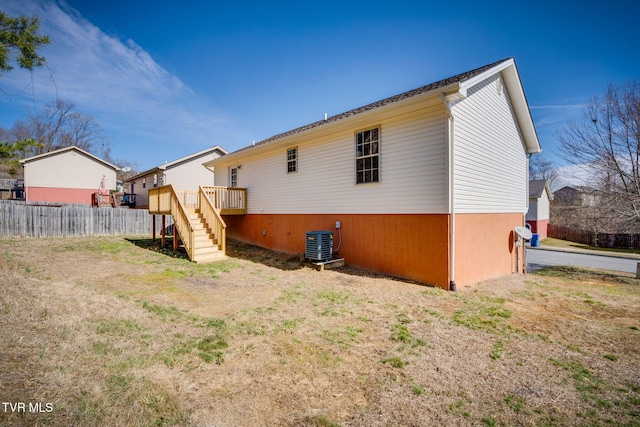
(67, 175)
(540, 197)
(426, 185)
(186, 173)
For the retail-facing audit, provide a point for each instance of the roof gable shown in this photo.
(180, 161)
(193, 156)
(66, 150)
(537, 187)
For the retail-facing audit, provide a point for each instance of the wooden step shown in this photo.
(210, 254)
(206, 245)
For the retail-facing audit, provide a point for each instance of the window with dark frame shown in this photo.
(292, 160)
(368, 156)
(144, 182)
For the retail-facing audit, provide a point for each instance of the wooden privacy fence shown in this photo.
(21, 219)
(603, 240)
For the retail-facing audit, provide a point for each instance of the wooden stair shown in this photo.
(206, 245)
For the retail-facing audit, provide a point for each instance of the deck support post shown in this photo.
(175, 237)
(162, 233)
(153, 227)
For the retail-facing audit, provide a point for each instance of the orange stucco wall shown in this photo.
(408, 246)
(59, 195)
(485, 246)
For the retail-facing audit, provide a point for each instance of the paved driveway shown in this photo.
(539, 257)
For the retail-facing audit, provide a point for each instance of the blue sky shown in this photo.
(166, 79)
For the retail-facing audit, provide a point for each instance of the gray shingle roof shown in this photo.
(427, 88)
(536, 187)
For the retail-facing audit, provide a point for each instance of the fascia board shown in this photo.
(511, 78)
(65, 149)
(329, 127)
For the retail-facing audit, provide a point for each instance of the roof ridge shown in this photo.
(394, 98)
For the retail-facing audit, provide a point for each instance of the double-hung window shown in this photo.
(292, 159)
(368, 156)
(233, 177)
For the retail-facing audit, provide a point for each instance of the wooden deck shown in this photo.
(197, 216)
(228, 200)
(12, 189)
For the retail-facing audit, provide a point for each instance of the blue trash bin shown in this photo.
(535, 240)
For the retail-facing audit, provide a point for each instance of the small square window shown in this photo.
(292, 160)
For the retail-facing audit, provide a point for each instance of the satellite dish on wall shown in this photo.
(126, 169)
(524, 232)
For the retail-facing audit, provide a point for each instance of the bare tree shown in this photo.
(607, 141)
(542, 168)
(59, 126)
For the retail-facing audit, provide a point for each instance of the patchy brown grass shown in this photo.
(110, 332)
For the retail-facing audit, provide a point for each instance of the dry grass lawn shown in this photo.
(106, 331)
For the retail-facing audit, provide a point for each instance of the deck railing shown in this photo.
(229, 200)
(212, 203)
(212, 216)
(182, 224)
(166, 201)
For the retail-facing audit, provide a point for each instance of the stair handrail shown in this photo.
(213, 217)
(182, 223)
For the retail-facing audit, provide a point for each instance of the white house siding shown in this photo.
(543, 207)
(412, 171)
(186, 175)
(538, 208)
(490, 164)
(141, 187)
(69, 169)
(190, 175)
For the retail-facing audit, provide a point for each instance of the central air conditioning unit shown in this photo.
(318, 245)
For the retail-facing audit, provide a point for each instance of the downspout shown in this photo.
(452, 226)
(524, 223)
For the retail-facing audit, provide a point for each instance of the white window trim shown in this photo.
(294, 160)
(378, 154)
(233, 171)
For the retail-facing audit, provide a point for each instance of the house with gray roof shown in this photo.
(185, 173)
(427, 185)
(538, 215)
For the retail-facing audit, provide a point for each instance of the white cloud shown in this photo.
(134, 99)
(575, 176)
(554, 115)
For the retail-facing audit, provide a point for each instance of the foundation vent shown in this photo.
(318, 245)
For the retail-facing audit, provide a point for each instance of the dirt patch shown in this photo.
(110, 331)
